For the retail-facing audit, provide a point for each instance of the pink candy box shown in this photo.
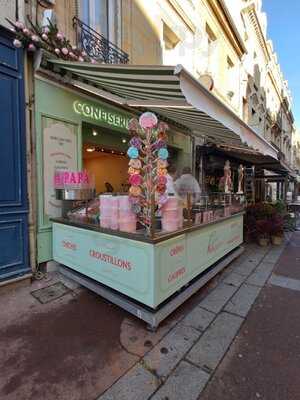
(171, 203)
(124, 202)
(205, 217)
(109, 212)
(114, 224)
(180, 221)
(105, 222)
(105, 200)
(127, 225)
(170, 213)
(125, 214)
(170, 225)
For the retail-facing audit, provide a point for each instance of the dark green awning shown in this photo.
(171, 92)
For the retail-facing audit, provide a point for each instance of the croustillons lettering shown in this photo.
(107, 258)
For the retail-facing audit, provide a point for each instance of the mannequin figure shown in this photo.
(240, 179)
(227, 177)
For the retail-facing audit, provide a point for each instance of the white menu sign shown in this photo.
(59, 153)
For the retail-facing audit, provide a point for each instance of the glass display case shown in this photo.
(214, 206)
(116, 213)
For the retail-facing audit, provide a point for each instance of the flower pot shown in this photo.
(263, 242)
(276, 240)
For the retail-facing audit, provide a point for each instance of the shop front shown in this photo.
(135, 243)
(80, 132)
(147, 249)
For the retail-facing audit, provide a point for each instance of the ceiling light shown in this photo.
(112, 151)
(102, 149)
(94, 133)
(124, 140)
(90, 149)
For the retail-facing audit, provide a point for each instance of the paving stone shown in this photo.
(234, 279)
(213, 344)
(283, 281)
(246, 267)
(217, 299)
(273, 255)
(198, 318)
(185, 383)
(136, 384)
(166, 354)
(242, 301)
(261, 274)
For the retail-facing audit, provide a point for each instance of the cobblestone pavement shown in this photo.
(81, 347)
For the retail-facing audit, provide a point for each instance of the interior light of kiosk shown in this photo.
(95, 133)
(124, 140)
(112, 151)
(102, 149)
(90, 149)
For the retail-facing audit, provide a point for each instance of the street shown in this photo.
(237, 338)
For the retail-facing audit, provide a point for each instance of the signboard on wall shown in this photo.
(59, 153)
(98, 113)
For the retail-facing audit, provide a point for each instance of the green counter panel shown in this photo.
(148, 273)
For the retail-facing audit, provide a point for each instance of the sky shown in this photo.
(284, 30)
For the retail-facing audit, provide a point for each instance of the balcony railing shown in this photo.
(97, 46)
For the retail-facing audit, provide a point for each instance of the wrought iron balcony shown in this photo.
(97, 46)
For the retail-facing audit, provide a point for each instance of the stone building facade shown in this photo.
(222, 43)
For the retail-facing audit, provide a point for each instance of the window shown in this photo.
(212, 53)
(210, 34)
(95, 14)
(232, 78)
(229, 63)
(245, 110)
(170, 38)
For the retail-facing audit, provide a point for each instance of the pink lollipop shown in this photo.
(135, 180)
(148, 120)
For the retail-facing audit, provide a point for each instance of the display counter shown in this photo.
(146, 270)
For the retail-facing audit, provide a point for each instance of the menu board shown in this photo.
(59, 153)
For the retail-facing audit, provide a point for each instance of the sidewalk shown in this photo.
(81, 347)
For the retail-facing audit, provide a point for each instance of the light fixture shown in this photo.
(90, 149)
(124, 140)
(112, 151)
(95, 133)
(102, 149)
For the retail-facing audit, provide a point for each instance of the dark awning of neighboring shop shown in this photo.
(249, 156)
(169, 91)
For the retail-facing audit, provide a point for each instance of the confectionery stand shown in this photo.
(146, 250)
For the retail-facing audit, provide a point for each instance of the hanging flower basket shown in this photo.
(48, 38)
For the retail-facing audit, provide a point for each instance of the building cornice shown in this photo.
(182, 14)
(224, 18)
(251, 11)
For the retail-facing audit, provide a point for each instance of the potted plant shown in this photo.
(263, 232)
(276, 230)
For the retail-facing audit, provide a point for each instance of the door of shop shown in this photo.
(14, 260)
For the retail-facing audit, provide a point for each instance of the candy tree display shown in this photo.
(147, 167)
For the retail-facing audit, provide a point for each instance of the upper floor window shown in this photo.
(170, 38)
(213, 53)
(95, 13)
(210, 34)
(229, 63)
